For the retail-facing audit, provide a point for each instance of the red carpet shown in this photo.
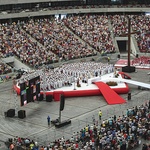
(110, 95)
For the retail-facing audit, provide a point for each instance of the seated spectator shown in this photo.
(139, 25)
(93, 29)
(141, 61)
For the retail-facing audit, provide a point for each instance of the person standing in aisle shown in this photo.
(100, 115)
(48, 120)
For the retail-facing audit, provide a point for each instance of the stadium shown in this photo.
(52, 45)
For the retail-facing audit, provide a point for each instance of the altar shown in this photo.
(94, 79)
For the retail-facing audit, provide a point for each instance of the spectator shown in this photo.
(145, 147)
(48, 120)
(100, 115)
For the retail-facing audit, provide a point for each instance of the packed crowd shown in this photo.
(115, 133)
(140, 24)
(44, 41)
(93, 29)
(66, 74)
(15, 41)
(141, 61)
(119, 24)
(57, 38)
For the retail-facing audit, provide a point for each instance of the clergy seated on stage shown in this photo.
(78, 82)
(65, 75)
(84, 80)
(67, 83)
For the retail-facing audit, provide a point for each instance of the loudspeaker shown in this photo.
(21, 114)
(49, 98)
(118, 55)
(63, 123)
(62, 102)
(11, 113)
(129, 96)
(128, 69)
(137, 55)
(55, 121)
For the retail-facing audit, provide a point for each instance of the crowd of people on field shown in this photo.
(141, 61)
(114, 133)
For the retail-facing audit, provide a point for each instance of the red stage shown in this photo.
(91, 90)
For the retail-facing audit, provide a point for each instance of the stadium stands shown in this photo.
(44, 41)
(49, 40)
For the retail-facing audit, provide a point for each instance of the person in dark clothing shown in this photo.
(145, 147)
(115, 117)
(48, 120)
(123, 146)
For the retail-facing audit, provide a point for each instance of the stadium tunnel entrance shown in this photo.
(122, 45)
